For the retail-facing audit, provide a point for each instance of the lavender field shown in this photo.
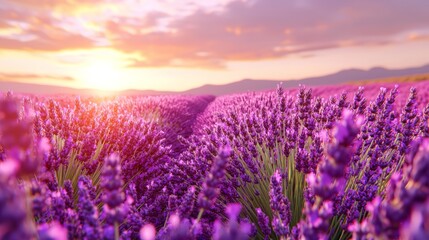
(339, 162)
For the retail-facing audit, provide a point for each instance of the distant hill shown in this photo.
(40, 89)
(342, 77)
(377, 74)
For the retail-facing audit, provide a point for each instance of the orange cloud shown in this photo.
(418, 37)
(31, 77)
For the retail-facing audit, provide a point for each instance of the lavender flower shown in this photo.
(264, 223)
(178, 229)
(187, 204)
(210, 189)
(148, 232)
(88, 214)
(53, 231)
(280, 206)
(416, 227)
(387, 216)
(234, 229)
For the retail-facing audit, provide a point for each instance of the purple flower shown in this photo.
(178, 229)
(264, 223)
(148, 232)
(13, 215)
(210, 189)
(52, 231)
(187, 204)
(115, 207)
(359, 230)
(233, 229)
(280, 206)
(87, 211)
(387, 216)
(417, 227)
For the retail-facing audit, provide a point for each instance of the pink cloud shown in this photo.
(270, 29)
(38, 32)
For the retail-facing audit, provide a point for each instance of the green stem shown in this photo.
(200, 214)
(116, 231)
(28, 205)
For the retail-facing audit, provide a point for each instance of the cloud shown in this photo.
(268, 29)
(418, 36)
(32, 77)
(23, 29)
(235, 31)
(57, 6)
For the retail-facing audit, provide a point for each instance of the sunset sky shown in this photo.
(180, 44)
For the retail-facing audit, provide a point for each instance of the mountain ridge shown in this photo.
(245, 85)
(340, 77)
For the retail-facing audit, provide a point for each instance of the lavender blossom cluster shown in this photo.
(285, 164)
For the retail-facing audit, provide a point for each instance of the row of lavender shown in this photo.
(272, 165)
(306, 167)
(57, 166)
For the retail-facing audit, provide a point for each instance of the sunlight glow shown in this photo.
(103, 74)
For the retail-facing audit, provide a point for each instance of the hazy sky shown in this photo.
(181, 44)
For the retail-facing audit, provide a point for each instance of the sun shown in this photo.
(103, 74)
